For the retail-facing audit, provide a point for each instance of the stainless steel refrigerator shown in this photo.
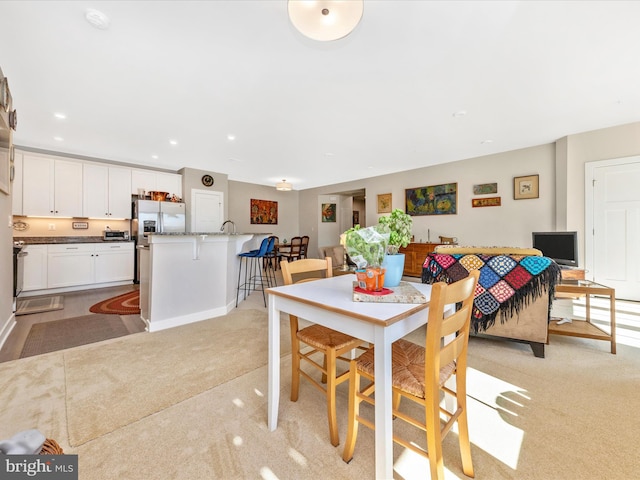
(150, 216)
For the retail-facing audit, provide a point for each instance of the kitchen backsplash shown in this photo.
(63, 227)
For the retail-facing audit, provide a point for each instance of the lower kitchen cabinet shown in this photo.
(113, 262)
(60, 266)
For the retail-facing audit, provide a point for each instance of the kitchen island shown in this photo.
(189, 277)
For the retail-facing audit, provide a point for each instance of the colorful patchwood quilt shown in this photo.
(507, 283)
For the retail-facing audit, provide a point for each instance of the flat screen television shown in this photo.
(559, 246)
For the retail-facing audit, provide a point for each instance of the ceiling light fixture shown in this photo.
(284, 186)
(97, 18)
(60, 116)
(325, 20)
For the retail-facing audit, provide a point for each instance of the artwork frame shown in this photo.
(439, 199)
(384, 203)
(263, 212)
(486, 202)
(5, 171)
(485, 188)
(328, 212)
(526, 187)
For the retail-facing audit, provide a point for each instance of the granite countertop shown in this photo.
(63, 240)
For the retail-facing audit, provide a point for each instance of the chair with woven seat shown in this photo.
(332, 344)
(421, 373)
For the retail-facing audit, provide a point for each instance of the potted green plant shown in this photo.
(399, 225)
(367, 248)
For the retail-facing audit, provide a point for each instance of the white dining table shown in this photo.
(329, 302)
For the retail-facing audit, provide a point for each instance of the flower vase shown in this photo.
(394, 265)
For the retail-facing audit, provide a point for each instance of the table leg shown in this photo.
(612, 311)
(274, 366)
(383, 410)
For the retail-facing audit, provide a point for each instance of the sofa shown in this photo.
(514, 294)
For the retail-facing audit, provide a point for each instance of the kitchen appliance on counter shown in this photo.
(115, 235)
(150, 216)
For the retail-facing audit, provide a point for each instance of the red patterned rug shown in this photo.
(125, 304)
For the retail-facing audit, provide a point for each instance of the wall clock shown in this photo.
(207, 180)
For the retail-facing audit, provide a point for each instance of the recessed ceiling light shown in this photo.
(173, 142)
(58, 139)
(97, 18)
(231, 137)
(484, 142)
(460, 113)
(329, 154)
(155, 157)
(59, 115)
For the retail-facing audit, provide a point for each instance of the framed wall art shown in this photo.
(486, 202)
(525, 187)
(328, 212)
(485, 188)
(264, 212)
(384, 203)
(434, 200)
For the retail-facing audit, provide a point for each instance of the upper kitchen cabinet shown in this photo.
(106, 191)
(51, 186)
(151, 181)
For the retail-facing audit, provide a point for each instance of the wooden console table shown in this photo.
(415, 254)
(584, 328)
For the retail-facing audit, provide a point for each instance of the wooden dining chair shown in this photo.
(420, 374)
(317, 339)
(294, 252)
(304, 246)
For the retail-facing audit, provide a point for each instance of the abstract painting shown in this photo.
(264, 212)
(434, 200)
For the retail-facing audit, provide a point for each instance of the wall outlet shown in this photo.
(52, 226)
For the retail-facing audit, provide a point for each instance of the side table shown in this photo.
(584, 328)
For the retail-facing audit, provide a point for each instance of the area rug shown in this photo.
(38, 305)
(125, 304)
(71, 332)
(115, 384)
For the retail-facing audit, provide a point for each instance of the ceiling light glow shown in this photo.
(97, 19)
(60, 115)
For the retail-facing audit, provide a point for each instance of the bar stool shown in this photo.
(253, 270)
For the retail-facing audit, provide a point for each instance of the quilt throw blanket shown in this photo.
(507, 283)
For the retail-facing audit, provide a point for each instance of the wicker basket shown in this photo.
(51, 447)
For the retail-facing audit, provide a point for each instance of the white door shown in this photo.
(207, 209)
(616, 228)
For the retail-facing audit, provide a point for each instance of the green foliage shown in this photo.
(367, 246)
(399, 224)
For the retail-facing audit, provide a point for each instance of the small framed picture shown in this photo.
(384, 203)
(525, 187)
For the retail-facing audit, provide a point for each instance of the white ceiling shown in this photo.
(380, 100)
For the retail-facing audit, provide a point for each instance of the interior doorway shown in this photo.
(207, 210)
(612, 224)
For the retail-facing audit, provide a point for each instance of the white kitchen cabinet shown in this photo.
(77, 264)
(52, 187)
(70, 265)
(142, 179)
(169, 182)
(113, 262)
(16, 187)
(152, 181)
(35, 267)
(106, 191)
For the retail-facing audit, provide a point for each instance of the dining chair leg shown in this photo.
(463, 424)
(354, 411)
(295, 358)
(331, 396)
(434, 439)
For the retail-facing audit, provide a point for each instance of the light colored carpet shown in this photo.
(570, 415)
(114, 385)
(38, 305)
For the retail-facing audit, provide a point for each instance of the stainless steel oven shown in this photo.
(18, 272)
